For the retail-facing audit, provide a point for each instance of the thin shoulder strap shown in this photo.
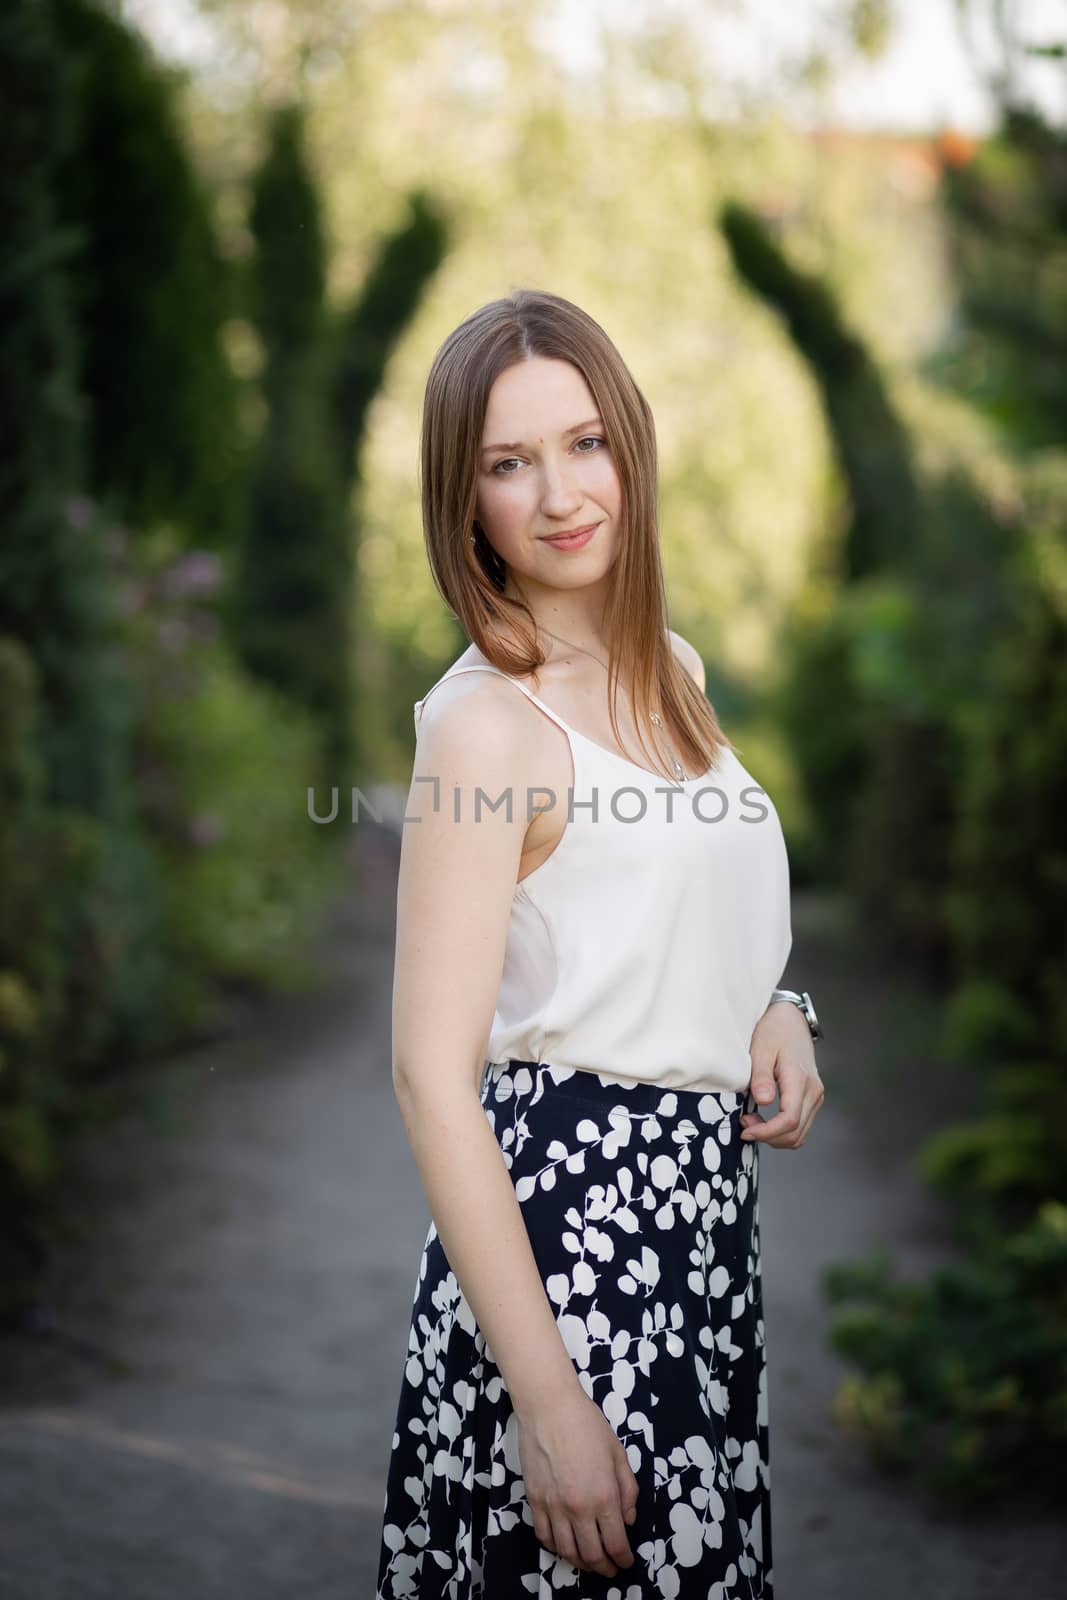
(485, 667)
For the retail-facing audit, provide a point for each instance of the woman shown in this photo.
(587, 944)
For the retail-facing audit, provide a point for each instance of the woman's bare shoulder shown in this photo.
(690, 658)
(474, 721)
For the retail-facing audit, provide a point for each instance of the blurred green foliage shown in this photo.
(961, 1379)
(78, 894)
(155, 846)
(953, 676)
(1009, 251)
(293, 603)
(151, 290)
(289, 605)
(221, 765)
(183, 423)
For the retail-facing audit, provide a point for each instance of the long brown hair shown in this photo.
(470, 577)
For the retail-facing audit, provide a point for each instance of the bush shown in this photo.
(222, 765)
(965, 1375)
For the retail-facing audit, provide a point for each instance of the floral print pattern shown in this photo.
(641, 1204)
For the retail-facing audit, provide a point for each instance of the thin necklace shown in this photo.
(654, 715)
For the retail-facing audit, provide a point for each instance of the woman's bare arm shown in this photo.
(456, 883)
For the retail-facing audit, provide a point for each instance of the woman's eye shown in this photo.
(589, 438)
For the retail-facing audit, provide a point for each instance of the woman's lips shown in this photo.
(573, 541)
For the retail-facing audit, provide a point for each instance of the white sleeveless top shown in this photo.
(647, 944)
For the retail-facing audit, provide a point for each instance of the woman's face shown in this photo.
(545, 468)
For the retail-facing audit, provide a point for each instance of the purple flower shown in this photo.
(206, 828)
(173, 634)
(204, 625)
(80, 510)
(198, 572)
(131, 596)
(117, 541)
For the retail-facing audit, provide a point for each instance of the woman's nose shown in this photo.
(561, 486)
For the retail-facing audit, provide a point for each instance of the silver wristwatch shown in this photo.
(803, 1001)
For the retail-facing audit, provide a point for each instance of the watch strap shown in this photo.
(803, 1002)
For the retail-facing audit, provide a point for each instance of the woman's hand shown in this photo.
(579, 1483)
(782, 1051)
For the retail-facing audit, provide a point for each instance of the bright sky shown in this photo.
(926, 79)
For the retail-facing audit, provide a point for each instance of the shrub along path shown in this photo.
(255, 1233)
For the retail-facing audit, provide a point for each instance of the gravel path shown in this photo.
(243, 1287)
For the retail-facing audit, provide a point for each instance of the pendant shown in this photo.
(658, 720)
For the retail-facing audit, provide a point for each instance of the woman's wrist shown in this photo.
(799, 1002)
(538, 1391)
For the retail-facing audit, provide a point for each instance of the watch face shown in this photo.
(809, 1012)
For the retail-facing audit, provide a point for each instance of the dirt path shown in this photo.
(250, 1270)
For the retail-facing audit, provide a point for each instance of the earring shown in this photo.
(471, 537)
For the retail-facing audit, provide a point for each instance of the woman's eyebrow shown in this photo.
(517, 444)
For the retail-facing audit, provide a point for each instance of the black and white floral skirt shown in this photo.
(642, 1210)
